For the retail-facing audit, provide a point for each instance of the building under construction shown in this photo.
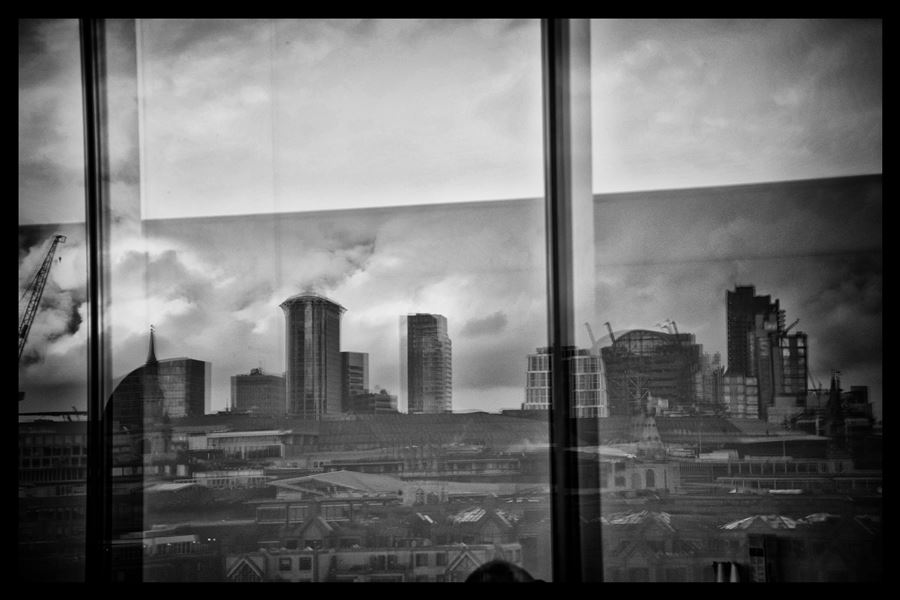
(643, 367)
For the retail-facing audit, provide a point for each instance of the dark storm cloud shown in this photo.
(73, 317)
(847, 314)
(39, 61)
(489, 325)
(739, 222)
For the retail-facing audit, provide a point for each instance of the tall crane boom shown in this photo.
(612, 338)
(34, 291)
(591, 335)
(789, 327)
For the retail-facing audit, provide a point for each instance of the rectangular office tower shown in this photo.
(313, 355)
(354, 375)
(760, 346)
(742, 306)
(429, 375)
(587, 382)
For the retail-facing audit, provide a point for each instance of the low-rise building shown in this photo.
(447, 563)
(258, 393)
(250, 444)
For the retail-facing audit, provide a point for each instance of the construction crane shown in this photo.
(594, 344)
(789, 327)
(674, 326)
(33, 292)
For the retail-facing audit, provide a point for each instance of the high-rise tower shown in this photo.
(428, 364)
(742, 308)
(312, 355)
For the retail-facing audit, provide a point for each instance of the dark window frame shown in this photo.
(560, 41)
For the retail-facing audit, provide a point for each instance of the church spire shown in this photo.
(151, 355)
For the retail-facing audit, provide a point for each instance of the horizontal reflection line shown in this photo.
(649, 262)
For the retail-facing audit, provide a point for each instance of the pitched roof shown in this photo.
(351, 480)
(477, 513)
(771, 521)
(472, 515)
(662, 519)
(247, 562)
(168, 487)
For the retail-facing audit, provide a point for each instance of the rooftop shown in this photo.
(351, 480)
(310, 296)
(772, 521)
(264, 432)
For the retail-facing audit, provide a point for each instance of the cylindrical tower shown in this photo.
(312, 355)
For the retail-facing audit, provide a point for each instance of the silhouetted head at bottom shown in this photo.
(499, 571)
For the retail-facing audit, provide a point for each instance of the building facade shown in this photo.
(354, 373)
(258, 393)
(778, 361)
(741, 396)
(791, 370)
(643, 363)
(587, 382)
(313, 355)
(185, 384)
(372, 403)
(429, 364)
(711, 384)
(741, 308)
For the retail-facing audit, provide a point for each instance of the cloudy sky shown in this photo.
(277, 119)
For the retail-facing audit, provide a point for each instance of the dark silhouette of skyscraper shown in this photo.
(742, 308)
(429, 364)
(760, 347)
(313, 355)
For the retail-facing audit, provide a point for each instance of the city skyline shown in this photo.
(232, 272)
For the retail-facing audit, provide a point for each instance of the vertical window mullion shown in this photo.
(98, 525)
(560, 156)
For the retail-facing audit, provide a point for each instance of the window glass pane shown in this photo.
(337, 234)
(738, 209)
(52, 276)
